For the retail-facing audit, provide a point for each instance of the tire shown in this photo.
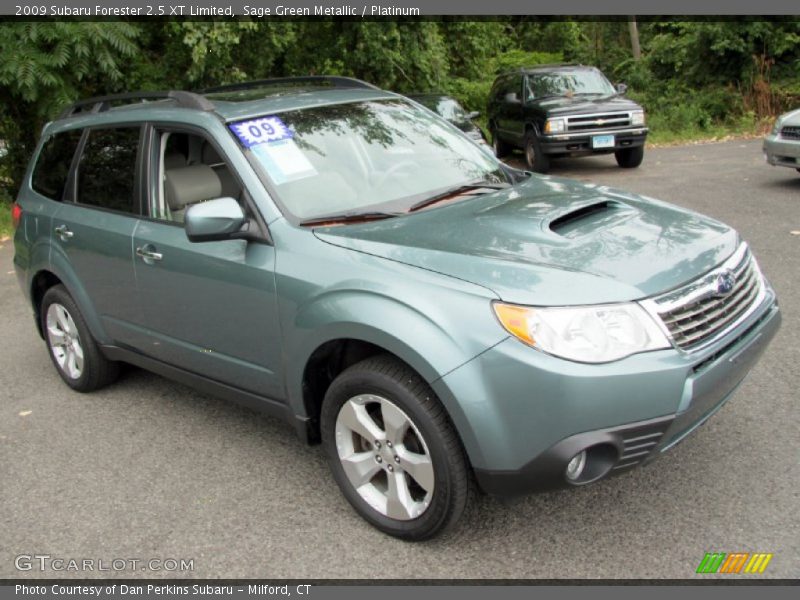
(630, 158)
(501, 148)
(63, 322)
(536, 160)
(364, 397)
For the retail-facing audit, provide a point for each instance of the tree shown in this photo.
(47, 65)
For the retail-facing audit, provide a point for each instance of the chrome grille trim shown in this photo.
(695, 315)
(791, 132)
(598, 121)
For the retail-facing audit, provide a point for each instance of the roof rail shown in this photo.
(332, 80)
(103, 103)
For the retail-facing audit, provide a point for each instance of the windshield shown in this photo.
(568, 83)
(379, 155)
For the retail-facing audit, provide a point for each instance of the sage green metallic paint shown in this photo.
(503, 241)
(251, 314)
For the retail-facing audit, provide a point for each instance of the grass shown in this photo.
(668, 136)
(6, 227)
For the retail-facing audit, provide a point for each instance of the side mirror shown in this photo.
(473, 115)
(512, 98)
(621, 88)
(219, 219)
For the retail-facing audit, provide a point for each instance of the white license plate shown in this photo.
(603, 141)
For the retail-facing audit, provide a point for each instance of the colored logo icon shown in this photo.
(734, 563)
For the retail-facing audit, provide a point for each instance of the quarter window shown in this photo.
(107, 169)
(51, 170)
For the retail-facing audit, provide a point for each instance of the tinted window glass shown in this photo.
(107, 169)
(51, 170)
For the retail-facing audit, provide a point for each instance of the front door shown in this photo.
(210, 307)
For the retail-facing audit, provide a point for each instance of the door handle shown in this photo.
(63, 232)
(146, 254)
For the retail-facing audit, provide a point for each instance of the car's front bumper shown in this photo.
(581, 143)
(781, 152)
(523, 414)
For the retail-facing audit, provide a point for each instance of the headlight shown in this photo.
(592, 334)
(777, 127)
(637, 117)
(554, 126)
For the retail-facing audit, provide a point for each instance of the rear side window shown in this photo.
(107, 170)
(52, 168)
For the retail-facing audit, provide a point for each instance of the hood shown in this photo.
(586, 104)
(792, 118)
(551, 241)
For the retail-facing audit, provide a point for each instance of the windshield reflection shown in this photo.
(367, 156)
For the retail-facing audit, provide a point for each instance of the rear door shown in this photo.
(92, 229)
(511, 120)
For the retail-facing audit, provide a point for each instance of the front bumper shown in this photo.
(581, 143)
(782, 153)
(523, 415)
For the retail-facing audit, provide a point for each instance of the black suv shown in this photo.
(564, 110)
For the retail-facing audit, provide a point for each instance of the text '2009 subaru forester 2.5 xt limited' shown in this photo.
(339, 256)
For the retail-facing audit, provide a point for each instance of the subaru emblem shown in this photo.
(725, 283)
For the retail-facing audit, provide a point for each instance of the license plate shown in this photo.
(603, 141)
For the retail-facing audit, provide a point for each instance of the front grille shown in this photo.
(705, 313)
(599, 122)
(638, 443)
(791, 133)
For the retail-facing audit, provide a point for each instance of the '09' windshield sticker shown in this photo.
(260, 131)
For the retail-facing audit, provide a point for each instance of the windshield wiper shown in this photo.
(349, 217)
(457, 191)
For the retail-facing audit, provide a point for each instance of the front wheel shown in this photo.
(629, 158)
(392, 450)
(537, 160)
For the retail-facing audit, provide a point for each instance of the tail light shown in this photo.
(16, 214)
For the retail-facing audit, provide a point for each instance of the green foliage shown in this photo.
(48, 64)
(694, 77)
(515, 59)
(6, 228)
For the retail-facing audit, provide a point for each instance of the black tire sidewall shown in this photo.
(59, 295)
(630, 158)
(355, 382)
(498, 146)
(541, 163)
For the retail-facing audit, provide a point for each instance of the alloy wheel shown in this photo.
(384, 457)
(64, 341)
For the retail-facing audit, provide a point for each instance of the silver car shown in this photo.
(782, 145)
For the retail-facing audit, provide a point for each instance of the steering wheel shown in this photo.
(393, 170)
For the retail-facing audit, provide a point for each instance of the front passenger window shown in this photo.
(191, 171)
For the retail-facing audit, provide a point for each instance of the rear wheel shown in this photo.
(501, 149)
(392, 450)
(630, 158)
(72, 348)
(537, 160)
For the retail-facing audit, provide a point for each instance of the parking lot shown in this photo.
(151, 469)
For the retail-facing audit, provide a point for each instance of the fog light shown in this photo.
(575, 466)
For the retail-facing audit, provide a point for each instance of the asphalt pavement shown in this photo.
(150, 469)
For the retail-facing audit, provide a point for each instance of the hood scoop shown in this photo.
(589, 217)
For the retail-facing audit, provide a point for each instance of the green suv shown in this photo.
(336, 255)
